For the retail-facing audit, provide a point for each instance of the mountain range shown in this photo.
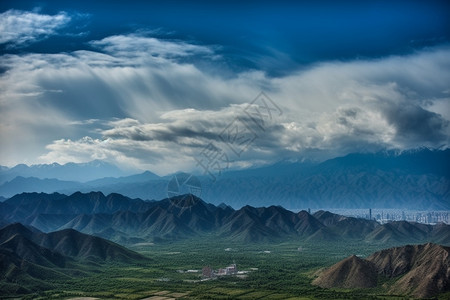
(419, 270)
(127, 221)
(30, 258)
(47, 237)
(390, 179)
(81, 172)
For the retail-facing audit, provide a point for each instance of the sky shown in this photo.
(172, 86)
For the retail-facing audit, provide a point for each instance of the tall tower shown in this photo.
(370, 214)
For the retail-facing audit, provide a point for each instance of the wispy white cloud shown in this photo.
(132, 46)
(22, 27)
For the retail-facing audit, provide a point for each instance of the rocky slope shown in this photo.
(420, 270)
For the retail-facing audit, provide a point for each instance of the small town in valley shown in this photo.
(209, 273)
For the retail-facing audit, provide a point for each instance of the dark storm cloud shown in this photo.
(414, 124)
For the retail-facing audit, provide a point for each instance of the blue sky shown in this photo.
(149, 85)
(289, 34)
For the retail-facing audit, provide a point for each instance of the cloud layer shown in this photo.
(20, 27)
(151, 103)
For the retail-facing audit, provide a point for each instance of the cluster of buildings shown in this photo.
(390, 214)
(428, 217)
(208, 272)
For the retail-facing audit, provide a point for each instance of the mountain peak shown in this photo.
(224, 206)
(16, 227)
(186, 201)
(419, 270)
(352, 272)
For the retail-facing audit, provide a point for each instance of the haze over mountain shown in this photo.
(81, 172)
(33, 184)
(419, 179)
(416, 179)
(420, 270)
(129, 221)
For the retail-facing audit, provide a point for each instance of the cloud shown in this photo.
(132, 46)
(414, 124)
(183, 137)
(19, 28)
(139, 101)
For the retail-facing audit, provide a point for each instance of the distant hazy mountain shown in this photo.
(81, 172)
(421, 271)
(33, 184)
(138, 178)
(146, 183)
(129, 221)
(78, 203)
(417, 179)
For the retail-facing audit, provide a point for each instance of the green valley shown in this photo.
(276, 271)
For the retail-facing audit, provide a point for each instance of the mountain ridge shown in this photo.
(388, 179)
(30, 259)
(67, 172)
(62, 244)
(419, 270)
(126, 220)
